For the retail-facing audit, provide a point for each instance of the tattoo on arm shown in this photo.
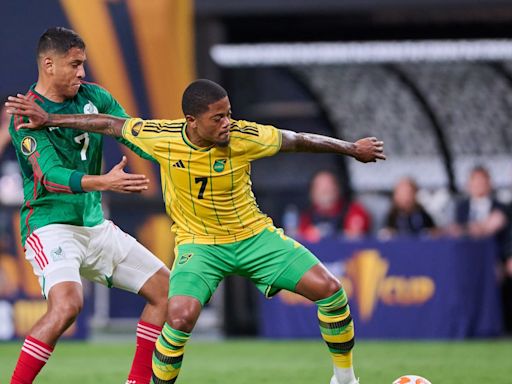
(105, 124)
(310, 142)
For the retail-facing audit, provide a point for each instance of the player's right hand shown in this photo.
(369, 149)
(117, 180)
(21, 105)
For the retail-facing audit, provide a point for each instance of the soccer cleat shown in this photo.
(335, 381)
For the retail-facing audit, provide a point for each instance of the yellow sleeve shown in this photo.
(133, 131)
(259, 140)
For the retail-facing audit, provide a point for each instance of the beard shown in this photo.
(222, 144)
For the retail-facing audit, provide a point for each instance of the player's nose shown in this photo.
(225, 122)
(81, 72)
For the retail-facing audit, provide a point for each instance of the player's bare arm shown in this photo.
(39, 118)
(116, 180)
(368, 149)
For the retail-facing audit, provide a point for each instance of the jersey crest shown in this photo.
(90, 108)
(184, 258)
(28, 145)
(219, 164)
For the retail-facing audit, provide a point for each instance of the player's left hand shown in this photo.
(369, 149)
(21, 105)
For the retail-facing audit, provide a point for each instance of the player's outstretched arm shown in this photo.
(117, 180)
(39, 118)
(368, 149)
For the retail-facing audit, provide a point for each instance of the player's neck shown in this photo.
(195, 139)
(45, 88)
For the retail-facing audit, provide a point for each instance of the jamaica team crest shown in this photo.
(219, 165)
(184, 258)
(28, 145)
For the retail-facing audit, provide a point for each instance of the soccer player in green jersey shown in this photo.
(64, 232)
(205, 162)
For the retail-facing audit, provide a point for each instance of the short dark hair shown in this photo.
(480, 169)
(60, 40)
(199, 95)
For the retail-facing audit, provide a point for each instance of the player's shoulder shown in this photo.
(161, 126)
(245, 128)
(92, 90)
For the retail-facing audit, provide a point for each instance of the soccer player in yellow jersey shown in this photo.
(205, 161)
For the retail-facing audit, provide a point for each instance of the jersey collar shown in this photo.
(46, 101)
(189, 143)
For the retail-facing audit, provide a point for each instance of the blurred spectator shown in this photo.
(407, 216)
(329, 214)
(11, 183)
(5, 138)
(480, 214)
(8, 268)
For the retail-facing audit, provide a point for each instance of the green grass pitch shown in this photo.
(290, 362)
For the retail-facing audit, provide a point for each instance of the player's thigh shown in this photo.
(116, 259)
(274, 261)
(56, 252)
(199, 268)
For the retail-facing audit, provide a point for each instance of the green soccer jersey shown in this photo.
(54, 160)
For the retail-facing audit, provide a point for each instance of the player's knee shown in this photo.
(182, 322)
(182, 313)
(332, 286)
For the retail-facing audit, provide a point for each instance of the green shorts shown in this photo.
(270, 259)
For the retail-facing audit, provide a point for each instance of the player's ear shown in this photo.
(46, 64)
(191, 121)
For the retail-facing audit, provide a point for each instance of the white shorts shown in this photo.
(103, 254)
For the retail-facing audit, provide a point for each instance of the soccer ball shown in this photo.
(411, 379)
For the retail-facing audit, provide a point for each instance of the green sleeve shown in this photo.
(105, 102)
(38, 159)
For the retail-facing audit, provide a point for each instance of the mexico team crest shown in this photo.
(90, 108)
(28, 145)
(137, 127)
(219, 165)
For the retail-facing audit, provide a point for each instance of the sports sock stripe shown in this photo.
(150, 338)
(148, 330)
(33, 342)
(33, 354)
(36, 351)
(337, 328)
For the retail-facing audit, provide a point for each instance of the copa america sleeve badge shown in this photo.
(28, 145)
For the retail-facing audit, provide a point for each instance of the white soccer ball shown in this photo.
(411, 379)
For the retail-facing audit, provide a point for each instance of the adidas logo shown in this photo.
(179, 164)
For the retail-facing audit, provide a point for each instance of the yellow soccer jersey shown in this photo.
(207, 191)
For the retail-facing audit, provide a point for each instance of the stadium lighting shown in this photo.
(270, 54)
